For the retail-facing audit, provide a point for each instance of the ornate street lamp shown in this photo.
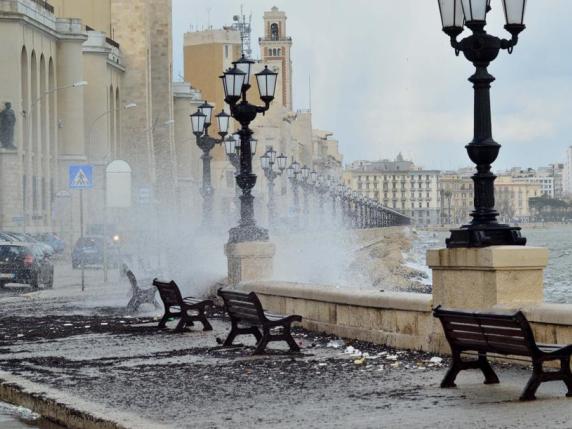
(267, 162)
(305, 174)
(481, 49)
(293, 172)
(236, 83)
(200, 122)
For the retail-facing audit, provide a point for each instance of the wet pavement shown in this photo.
(83, 349)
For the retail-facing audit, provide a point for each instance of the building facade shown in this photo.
(87, 81)
(399, 185)
(456, 192)
(512, 198)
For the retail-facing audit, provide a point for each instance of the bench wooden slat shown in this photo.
(510, 332)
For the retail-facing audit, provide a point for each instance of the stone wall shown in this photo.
(398, 319)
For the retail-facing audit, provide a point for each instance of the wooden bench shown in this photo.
(504, 333)
(140, 296)
(248, 317)
(188, 309)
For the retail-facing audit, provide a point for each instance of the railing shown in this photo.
(45, 5)
(112, 42)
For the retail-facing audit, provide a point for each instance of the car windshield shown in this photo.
(90, 242)
(11, 253)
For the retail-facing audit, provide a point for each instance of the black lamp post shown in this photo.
(481, 49)
(236, 83)
(201, 121)
(267, 162)
(305, 175)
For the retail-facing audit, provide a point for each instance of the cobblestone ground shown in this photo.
(83, 346)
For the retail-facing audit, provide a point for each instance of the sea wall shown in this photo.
(399, 319)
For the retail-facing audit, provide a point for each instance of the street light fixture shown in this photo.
(481, 49)
(267, 162)
(236, 83)
(200, 122)
(293, 172)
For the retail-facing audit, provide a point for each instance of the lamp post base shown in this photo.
(485, 235)
(241, 234)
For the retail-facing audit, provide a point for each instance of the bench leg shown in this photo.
(488, 372)
(567, 375)
(206, 325)
(182, 323)
(453, 371)
(133, 304)
(201, 317)
(262, 342)
(535, 379)
(164, 319)
(290, 340)
(231, 335)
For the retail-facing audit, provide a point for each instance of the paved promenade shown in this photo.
(82, 350)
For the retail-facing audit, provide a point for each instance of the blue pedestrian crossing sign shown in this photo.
(81, 176)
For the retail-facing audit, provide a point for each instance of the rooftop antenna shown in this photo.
(310, 89)
(208, 18)
(244, 26)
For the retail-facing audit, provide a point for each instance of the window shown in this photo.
(274, 32)
(226, 51)
(279, 51)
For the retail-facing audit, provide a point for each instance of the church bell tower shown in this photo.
(275, 49)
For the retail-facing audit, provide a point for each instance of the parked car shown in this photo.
(22, 237)
(52, 240)
(25, 264)
(89, 251)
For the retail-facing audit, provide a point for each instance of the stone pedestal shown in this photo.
(480, 278)
(249, 261)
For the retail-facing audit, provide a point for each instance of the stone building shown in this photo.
(512, 196)
(76, 67)
(399, 185)
(456, 194)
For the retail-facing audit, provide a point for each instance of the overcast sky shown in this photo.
(384, 78)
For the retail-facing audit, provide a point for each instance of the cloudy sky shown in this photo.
(384, 78)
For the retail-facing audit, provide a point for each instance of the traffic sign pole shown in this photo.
(81, 177)
(81, 238)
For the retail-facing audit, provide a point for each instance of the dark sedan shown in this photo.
(89, 251)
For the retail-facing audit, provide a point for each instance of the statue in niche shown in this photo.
(7, 124)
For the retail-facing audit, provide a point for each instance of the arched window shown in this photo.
(279, 51)
(274, 31)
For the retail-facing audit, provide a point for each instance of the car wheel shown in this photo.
(50, 283)
(35, 283)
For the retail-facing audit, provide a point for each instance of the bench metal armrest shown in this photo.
(196, 303)
(288, 320)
